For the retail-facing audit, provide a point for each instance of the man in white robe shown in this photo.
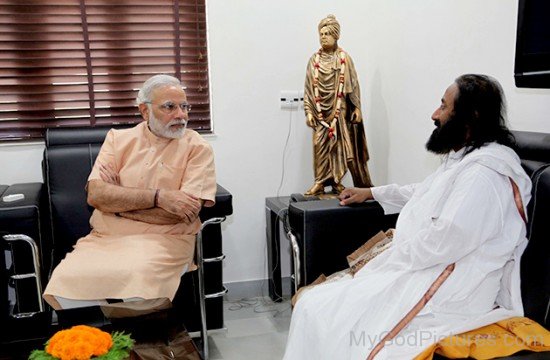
(462, 214)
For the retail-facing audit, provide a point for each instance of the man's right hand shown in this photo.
(179, 203)
(355, 195)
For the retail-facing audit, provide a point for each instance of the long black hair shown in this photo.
(481, 105)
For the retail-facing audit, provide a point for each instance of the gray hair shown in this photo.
(155, 82)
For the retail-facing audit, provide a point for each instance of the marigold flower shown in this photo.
(85, 343)
(79, 343)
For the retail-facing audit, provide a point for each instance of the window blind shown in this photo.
(80, 63)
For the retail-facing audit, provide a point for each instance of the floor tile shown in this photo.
(249, 327)
(265, 347)
(255, 329)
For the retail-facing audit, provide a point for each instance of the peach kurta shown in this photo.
(123, 258)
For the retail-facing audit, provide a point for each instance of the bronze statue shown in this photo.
(332, 104)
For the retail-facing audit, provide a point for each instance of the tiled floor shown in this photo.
(256, 329)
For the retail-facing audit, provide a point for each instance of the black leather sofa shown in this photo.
(55, 214)
(326, 232)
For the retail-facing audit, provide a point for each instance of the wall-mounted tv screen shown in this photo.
(532, 66)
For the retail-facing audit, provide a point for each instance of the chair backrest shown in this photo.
(68, 160)
(534, 151)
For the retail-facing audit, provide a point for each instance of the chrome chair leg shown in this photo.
(202, 296)
(296, 260)
(36, 274)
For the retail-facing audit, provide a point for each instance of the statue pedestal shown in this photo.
(297, 197)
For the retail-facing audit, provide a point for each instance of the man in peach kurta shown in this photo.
(147, 186)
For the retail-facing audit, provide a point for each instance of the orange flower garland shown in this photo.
(83, 343)
(339, 92)
(79, 343)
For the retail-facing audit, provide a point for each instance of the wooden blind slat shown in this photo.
(195, 99)
(149, 69)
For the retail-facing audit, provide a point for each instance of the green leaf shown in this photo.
(40, 355)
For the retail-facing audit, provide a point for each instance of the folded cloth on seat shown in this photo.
(356, 260)
(500, 339)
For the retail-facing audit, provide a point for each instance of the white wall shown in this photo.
(406, 54)
(21, 162)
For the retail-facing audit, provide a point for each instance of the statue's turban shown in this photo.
(332, 24)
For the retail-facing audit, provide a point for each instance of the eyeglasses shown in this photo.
(169, 107)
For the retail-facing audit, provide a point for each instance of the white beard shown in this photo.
(165, 131)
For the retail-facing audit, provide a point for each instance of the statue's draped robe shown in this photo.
(348, 150)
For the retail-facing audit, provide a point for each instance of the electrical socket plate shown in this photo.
(291, 99)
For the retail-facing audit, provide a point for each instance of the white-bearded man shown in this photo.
(147, 186)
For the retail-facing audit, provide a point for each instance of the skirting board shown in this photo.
(253, 288)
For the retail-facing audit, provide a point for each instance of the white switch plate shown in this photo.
(291, 99)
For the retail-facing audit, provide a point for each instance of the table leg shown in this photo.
(273, 255)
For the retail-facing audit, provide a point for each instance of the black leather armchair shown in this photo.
(534, 151)
(65, 214)
(325, 233)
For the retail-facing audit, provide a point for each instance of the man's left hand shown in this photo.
(109, 174)
(355, 195)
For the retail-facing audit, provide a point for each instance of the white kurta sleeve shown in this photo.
(393, 197)
(471, 215)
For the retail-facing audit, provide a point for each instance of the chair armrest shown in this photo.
(3, 189)
(33, 274)
(28, 216)
(223, 206)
